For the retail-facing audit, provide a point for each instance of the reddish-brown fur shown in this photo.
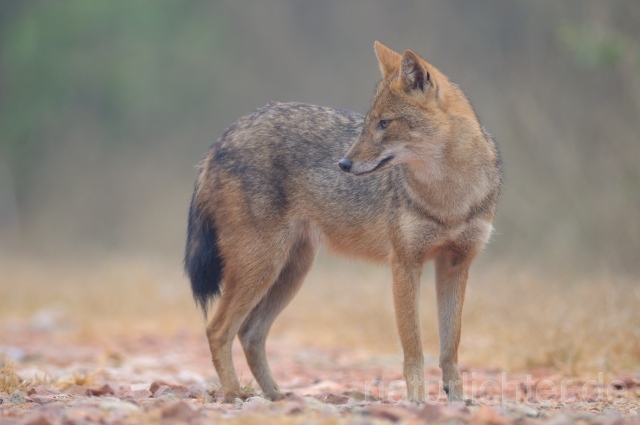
(270, 192)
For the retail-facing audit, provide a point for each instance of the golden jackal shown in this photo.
(417, 179)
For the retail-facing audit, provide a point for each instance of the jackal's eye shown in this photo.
(384, 124)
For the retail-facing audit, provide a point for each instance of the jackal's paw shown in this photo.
(457, 400)
(232, 396)
(413, 401)
(471, 403)
(454, 395)
(276, 395)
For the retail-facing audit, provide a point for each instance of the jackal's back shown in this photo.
(285, 157)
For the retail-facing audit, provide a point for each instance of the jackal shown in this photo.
(416, 179)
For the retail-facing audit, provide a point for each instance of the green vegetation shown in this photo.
(106, 105)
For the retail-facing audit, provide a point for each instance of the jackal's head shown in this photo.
(408, 121)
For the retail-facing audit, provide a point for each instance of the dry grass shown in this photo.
(10, 381)
(512, 320)
(95, 301)
(82, 379)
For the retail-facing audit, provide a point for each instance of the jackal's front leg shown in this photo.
(452, 270)
(406, 298)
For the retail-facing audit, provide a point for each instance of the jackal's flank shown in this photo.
(415, 180)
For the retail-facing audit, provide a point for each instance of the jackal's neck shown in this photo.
(454, 179)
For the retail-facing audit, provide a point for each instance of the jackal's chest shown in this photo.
(426, 237)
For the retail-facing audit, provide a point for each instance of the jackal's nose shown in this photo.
(345, 165)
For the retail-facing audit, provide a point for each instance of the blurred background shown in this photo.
(107, 106)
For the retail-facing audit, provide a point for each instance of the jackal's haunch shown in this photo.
(415, 180)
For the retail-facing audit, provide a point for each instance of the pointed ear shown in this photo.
(388, 59)
(413, 73)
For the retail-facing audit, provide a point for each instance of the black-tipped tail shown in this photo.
(202, 261)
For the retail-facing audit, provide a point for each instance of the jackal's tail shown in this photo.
(202, 261)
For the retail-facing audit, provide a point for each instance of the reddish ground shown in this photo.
(166, 379)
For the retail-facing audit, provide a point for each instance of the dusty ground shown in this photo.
(122, 343)
(154, 378)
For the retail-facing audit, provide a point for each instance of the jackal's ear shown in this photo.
(388, 59)
(413, 73)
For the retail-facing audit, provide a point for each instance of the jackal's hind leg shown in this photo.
(255, 328)
(242, 288)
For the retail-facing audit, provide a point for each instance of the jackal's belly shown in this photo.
(362, 249)
(415, 238)
(368, 242)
